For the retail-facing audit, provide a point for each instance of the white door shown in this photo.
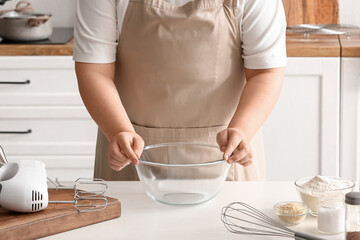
(301, 137)
(350, 119)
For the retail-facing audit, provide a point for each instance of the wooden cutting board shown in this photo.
(54, 219)
(311, 11)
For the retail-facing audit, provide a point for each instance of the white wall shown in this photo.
(349, 12)
(63, 11)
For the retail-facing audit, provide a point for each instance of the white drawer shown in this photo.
(37, 81)
(54, 131)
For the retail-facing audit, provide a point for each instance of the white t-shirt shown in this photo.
(98, 26)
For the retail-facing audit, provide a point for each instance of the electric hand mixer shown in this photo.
(23, 188)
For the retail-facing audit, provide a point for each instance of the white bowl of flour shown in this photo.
(311, 189)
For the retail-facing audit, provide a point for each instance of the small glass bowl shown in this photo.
(311, 197)
(182, 173)
(289, 218)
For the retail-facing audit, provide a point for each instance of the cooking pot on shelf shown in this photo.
(22, 24)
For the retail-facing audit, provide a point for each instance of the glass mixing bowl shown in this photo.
(182, 173)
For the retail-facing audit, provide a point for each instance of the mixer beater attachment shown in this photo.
(88, 194)
(241, 218)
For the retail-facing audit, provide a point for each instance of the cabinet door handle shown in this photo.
(16, 132)
(22, 82)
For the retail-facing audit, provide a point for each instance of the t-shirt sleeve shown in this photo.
(95, 31)
(263, 33)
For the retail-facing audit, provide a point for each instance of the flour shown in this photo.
(322, 183)
(321, 186)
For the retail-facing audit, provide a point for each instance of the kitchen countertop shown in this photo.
(144, 218)
(313, 46)
(37, 50)
(350, 47)
(297, 46)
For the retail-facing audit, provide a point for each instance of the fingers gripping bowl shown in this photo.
(182, 173)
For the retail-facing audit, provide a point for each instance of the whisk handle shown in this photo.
(304, 236)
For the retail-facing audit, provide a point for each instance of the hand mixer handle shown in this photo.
(304, 236)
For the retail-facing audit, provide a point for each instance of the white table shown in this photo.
(144, 218)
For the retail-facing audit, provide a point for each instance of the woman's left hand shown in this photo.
(235, 146)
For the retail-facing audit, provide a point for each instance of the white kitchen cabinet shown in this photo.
(301, 136)
(42, 116)
(350, 118)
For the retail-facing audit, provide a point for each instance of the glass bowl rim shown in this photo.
(291, 215)
(331, 190)
(215, 162)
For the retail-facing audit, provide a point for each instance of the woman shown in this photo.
(152, 71)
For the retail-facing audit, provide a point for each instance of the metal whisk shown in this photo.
(88, 194)
(241, 218)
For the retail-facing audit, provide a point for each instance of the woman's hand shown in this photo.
(125, 148)
(235, 146)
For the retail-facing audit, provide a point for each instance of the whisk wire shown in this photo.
(265, 217)
(234, 216)
(273, 230)
(234, 228)
(251, 231)
(256, 214)
(262, 226)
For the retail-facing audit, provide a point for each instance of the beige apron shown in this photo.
(179, 74)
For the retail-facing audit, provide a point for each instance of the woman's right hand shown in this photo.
(125, 148)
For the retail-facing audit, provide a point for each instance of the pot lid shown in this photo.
(23, 10)
(22, 15)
